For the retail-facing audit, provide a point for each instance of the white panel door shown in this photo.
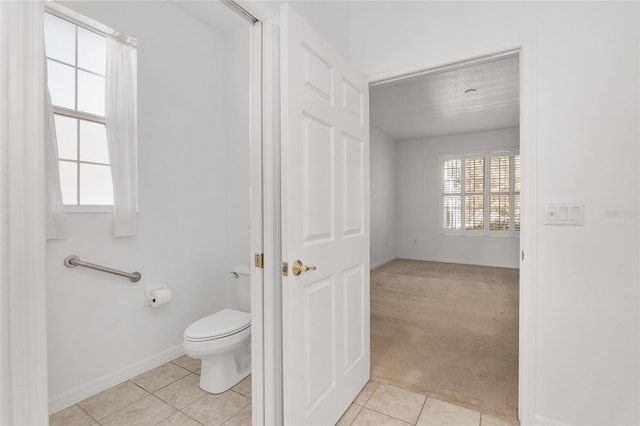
(325, 223)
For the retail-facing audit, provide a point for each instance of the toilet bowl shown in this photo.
(223, 341)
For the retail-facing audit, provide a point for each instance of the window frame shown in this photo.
(102, 30)
(486, 194)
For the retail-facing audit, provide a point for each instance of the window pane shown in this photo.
(69, 182)
(92, 51)
(474, 212)
(516, 177)
(516, 212)
(452, 176)
(474, 175)
(59, 39)
(61, 82)
(452, 212)
(499, 213)
(93, 142)
(500, 173)
(90, 93)
(96, 188)
(67, 135)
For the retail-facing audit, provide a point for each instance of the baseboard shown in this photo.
(543, 421)
(77, 394)
(456, 261)
(382, 262)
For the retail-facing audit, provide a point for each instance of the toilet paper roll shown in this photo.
(160, 296)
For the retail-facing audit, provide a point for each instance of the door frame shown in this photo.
(272, 325)
(22, 232)
(527, 54)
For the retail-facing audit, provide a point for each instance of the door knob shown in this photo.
(299, 268)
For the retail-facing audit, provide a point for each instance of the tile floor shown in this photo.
(169, 395)
(384, 404)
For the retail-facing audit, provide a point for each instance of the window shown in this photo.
(76, 62)
(481, 193)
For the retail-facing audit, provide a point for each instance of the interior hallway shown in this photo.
(449, 331)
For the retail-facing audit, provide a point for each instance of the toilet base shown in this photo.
(225, 361)
(220, 373)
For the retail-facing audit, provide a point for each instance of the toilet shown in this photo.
(223, 340)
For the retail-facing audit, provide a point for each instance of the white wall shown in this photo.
(236, 96)
(587, 89)
(382, 169)
(98, 328)
(418, 216)
(332, 19)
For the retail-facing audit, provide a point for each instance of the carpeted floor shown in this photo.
(449, 331)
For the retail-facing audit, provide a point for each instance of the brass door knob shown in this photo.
(299, 268)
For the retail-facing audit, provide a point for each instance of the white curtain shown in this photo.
(121, 132)
(55, 216)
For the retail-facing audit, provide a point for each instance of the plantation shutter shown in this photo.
(452, 193)
(474, 193)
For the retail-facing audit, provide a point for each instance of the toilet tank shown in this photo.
(243, 286)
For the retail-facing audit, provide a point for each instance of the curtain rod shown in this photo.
(85, 22)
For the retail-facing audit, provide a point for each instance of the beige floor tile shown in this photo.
(185, 361)
(111, 400)
(71, 416)
(440, 413)
(243, 418)
(197, 371)
(160, 377)
(488, 420)
(179, 419)
(349, 415)
(396, 402)
(368, 417)
(148, 411)
(244, 387)
(183, 392)
(366, 392)
(215, 409)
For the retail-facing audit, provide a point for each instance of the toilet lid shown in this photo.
(221, 324)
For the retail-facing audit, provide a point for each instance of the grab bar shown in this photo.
(72, 261)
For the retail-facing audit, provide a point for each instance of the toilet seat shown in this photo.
(225, 323)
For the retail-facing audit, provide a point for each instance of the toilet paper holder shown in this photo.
(151, 296)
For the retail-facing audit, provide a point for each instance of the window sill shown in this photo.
(88, 209)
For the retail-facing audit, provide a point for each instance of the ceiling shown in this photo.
(435, 104)
(213, 13)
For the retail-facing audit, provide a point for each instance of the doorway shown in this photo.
(195, 155)
(446, 233)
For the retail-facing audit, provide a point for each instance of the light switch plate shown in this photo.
(564, 214)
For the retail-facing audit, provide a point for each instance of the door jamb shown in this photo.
(256, 223)
(526, 50)
(272, 326)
